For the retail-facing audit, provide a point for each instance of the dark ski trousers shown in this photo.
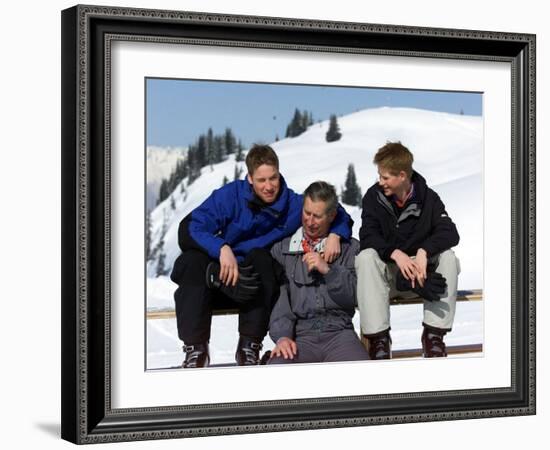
(326, 346)
(195, 302)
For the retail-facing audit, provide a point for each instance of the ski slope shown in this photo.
(448, 152)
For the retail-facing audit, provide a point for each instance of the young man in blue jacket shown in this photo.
(406, 237)
(225, 245)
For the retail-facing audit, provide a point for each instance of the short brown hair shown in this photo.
(394, 157)
(325, 192)
(259, 155)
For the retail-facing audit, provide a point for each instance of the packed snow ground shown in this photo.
(164, 349)
(448, 151)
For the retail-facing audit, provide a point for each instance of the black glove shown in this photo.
(434, 286)
(247, 287)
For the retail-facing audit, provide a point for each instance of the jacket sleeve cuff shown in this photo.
(342, 224)
(215, 249)
(386, 254)
(281, 332)
(430, 249)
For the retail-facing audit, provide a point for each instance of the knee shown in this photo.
(191, 264)
(367, 258)
(259, 257)
(448, 259)
(258, 253)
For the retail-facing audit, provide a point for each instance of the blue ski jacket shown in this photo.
(233, 215)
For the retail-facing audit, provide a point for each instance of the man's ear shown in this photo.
(249, 178)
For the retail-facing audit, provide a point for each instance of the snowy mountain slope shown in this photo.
(448, 151)
(161, 161)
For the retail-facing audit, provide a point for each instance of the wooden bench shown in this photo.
(463, 296)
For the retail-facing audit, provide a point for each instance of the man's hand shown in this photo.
(229, 268)
(315, 261)
(407, 266)
(421, 261)
(332, 248)
(433, 289)
(285, 348)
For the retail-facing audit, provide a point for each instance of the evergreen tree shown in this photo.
(295, 127)
(351, 195)
(299, 123)
(238, 172)
(209, 147)
(307, 120)
(181, 170)
(333, 133)
(194, 162)
(163, 190)
(172, 202)
(161, 270)
(288, 131)
(148, 235)
(225, 180)
(201, 152)
(229, 141)
(239, 155)
(219, 149)
(159, 248)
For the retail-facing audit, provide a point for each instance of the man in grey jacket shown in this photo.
(312, 319)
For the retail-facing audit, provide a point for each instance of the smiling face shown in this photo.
(315, 219)
(393, 184)
(265, 182)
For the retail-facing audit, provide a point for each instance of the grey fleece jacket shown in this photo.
(310, 303)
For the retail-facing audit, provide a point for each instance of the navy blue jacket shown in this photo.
(233, 215)
(421, 223)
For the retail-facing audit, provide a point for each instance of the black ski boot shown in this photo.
(433, 345)
(196, 355)
(248, 351)
(379, 345)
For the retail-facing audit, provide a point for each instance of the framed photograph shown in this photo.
(197, 141)
(141, 88)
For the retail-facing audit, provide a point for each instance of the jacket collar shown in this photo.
(413, 206)
(419, 189)
(256, 204)
(295, 243)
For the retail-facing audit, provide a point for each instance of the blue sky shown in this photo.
(178, 111)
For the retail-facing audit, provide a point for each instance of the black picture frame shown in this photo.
(87, 415)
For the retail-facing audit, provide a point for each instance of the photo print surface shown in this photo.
(198, 133)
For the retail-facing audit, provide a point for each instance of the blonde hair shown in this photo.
(394, 157)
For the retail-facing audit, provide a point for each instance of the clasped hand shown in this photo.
(413, 270)
(314, 261)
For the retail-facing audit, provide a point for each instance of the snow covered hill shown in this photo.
(448, 151)
(161, 161)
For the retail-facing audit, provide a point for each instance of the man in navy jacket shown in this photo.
(235, 228)
(406, 238)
